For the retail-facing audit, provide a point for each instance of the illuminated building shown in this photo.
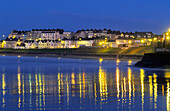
(31, 44)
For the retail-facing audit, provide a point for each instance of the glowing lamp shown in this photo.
(142, 41)
(155, 39)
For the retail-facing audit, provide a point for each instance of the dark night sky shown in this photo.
(71, 15)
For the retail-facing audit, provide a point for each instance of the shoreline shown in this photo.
(74, 55)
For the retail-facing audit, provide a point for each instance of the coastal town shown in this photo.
(58, 38)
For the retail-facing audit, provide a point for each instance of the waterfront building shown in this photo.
(84, 43)
(56, 44)
(49, 44)
(10, 42)
(31, 44)
(76, 43)
(42, 44)
(57, 38)
(20, 46)
(68, 43)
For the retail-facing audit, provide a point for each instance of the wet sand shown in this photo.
(76, 56)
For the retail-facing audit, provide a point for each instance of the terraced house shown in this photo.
(31, 44)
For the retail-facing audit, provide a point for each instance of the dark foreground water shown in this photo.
(30, 83)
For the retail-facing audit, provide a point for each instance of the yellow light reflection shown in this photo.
(30, 84)
(3, 88)
(163, 90)
(124, 80)
(117, 81)
(151, 88)
(130, 84)
(155, 90)
(100, 60)
(103, 84)
(167, 97)
(142, 85)
(84, 84)
(36, 84)
(19, 87)
(122, 90)
(133, 83)
(59, 87)
(19, 83)
(3, 83)
(19, 56)
(67, 90)
(117, 62)
(40, 92)
(80, 84)
(43, 77)
(23, 90)
(130, 62)
(73, 78)
(95, 91)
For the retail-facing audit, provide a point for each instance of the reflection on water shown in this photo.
(3, 90)
(50, 84)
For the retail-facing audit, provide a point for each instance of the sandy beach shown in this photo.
(73, 55)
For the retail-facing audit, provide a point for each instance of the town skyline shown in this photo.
(22, 30)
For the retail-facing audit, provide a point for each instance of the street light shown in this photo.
(155, 39)
(169, 30)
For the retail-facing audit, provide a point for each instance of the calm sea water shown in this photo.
(39, 83)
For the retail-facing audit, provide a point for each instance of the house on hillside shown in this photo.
(111, 44)
(68, 35)
(124, 42)
(89, 42)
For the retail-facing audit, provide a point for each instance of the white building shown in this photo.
(51, 35)
(31, 44)
(68, 35)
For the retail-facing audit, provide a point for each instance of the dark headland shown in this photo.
(154, 60)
